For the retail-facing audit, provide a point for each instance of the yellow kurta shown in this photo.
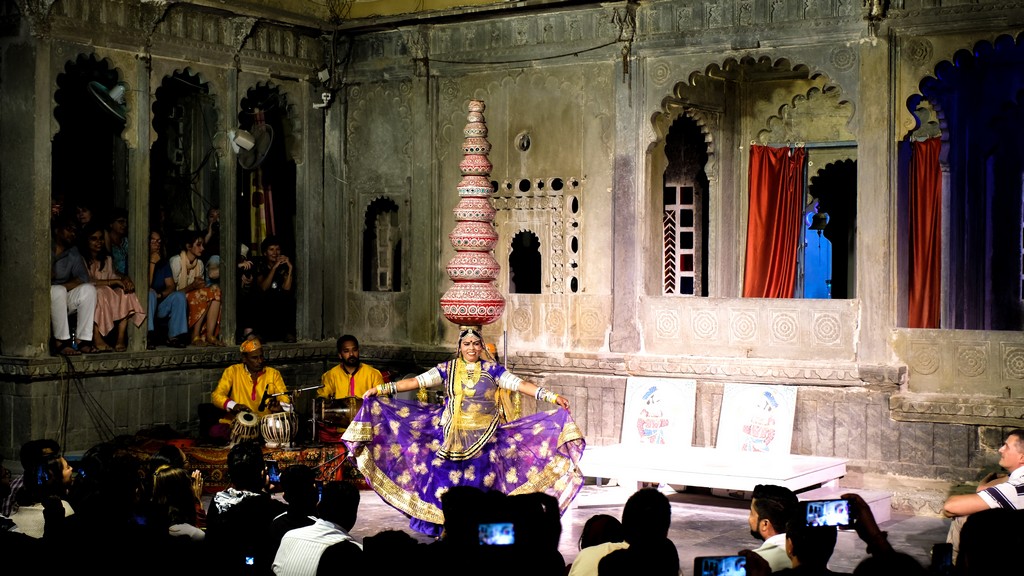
(336, 382)
(236, 385)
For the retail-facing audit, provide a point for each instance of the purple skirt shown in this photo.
(394, 444)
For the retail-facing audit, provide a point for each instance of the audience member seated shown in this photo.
(46, 483)
(302, 550)
(809, 548)
(173, 505)
(211, 234)
(171, 455)
(84, 214)
(994, 492)
(275, 301)
(646, 518)
(239, 518)
(770, 509)
(165, 301)
(116, 301)
(203, 301)
(404, 553)
(70, 291)
(298, 484)
(30, 452)
(117, 240)
(602, 534)
(988, 541)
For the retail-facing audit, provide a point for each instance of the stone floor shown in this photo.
(702, 525)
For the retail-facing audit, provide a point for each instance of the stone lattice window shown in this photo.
(680, 241)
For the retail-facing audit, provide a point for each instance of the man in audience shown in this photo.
(31, 452)
(998, 492)
(301, 549)
(249, 386)
(298, 484)
(275, 293)
(646, 518)
(238, 522)
(809, 548)
(70, 291)
(770, 509)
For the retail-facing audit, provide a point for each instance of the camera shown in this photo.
(828, 513)
(720, 566)
(497, 534)
(273, 473)
(942, 559)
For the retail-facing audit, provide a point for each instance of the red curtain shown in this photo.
(925, 234)
(773, 227)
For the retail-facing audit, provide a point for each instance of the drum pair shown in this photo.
(276, 429)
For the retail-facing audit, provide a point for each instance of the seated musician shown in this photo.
(350, 378)
(247, 387)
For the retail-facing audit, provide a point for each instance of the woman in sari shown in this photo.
(203, 301)
(116, 300)
(411, 453)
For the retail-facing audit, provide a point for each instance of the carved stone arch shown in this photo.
(274, 180)
(526, 252)
(382, 237)
(286, 115)
(778, 128)
(88, 140)
(183, 174)
(976, 96)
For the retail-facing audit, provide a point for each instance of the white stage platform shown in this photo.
(709, 467)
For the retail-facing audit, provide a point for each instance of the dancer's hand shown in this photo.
(563, 402)
(371, 392)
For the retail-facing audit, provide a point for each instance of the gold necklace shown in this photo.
(470, 381)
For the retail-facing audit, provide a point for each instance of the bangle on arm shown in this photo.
(546, 395)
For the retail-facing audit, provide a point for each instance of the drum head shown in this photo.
(339, 412)
(247, 419)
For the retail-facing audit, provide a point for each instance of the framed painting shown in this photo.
(659, 411)
(757, 418)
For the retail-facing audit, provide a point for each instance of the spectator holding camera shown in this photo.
(239, 519)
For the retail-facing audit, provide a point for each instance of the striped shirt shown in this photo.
(302, 548)
(1009, 494)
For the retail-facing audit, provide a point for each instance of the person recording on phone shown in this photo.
(997, 492)
(239, 519)
(250, 386)
(770, 509)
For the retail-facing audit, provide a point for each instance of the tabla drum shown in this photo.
(339, 412)
(278, 429)
(245, 427)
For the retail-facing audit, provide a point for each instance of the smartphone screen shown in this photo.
(273, 473)
(319, 490)
(497, 534)
(720, 566)
(828, 513)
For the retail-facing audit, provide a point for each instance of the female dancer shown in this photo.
(411, 453)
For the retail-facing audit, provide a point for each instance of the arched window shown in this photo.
(524, 264)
